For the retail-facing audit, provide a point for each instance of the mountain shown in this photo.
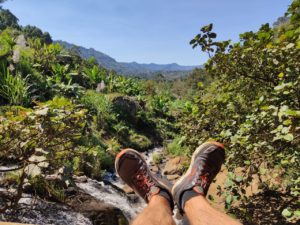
(131, 69)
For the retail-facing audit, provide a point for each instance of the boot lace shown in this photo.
(143, 181)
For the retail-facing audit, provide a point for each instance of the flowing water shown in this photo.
(108, 191)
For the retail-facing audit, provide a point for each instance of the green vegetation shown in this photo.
(62, 115)
(252, 105)
(157, 158)
(59, 112)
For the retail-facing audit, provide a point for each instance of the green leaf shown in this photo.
(239, 179)
(297, 213)
(247, 162)
(289, 137)
(229, 199)
(287, 122)
(286, 213)
(281, 75)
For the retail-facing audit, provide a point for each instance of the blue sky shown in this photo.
(145, 30)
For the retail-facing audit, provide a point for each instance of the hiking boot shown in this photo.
(133, 170)
(205, 164)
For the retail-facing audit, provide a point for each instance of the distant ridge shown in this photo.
(170, 71)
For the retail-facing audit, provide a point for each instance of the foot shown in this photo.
(133, 170)
(205, 164)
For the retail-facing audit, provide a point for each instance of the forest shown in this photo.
(60, 111)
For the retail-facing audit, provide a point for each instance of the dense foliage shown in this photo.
(253, 106)
(61, 115)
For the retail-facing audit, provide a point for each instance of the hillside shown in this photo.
(170, 71)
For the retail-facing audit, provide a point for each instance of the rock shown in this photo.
(53, 177)
(126, 107)
(133, 198)
(21, 41)
(100, 87)
(173, 177)
(33, 170)
(98, 212)
(27, 187)
(20, 44)
(127, 189)
(154, 169)
(80, 179)
(174, 166)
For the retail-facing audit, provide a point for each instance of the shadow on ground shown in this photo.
(265, 208)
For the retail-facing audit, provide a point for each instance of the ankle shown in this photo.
(188, 195)
(163, 197)
(160, 201)
(198, 201)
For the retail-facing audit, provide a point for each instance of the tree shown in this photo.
(7, 19)
(35, 32)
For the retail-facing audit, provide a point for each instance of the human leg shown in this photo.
(200, 212)
(189, 192)
(133, 170)
(158, 212)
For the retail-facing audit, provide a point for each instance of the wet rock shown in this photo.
(98, 212)
(80, 179)
(133, 198)
(127, 189)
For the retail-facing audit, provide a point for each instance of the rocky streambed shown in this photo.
(108, 202)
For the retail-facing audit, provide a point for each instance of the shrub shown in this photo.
(139, 142)
(157, 158)
(13, 89)
(39, 141)
(177, 147)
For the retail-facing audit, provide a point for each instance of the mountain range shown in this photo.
(131, 69)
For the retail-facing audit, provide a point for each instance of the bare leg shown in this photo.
(200, 212)
(158, 212)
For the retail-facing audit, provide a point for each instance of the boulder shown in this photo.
(80, 179)
(126, 107)
(98, 212)
(174, 166)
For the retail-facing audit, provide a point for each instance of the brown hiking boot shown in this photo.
(205, 165)
(133, 170)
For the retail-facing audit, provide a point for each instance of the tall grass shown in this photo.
(13, 89)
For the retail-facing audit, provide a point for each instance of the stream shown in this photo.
(109, 191)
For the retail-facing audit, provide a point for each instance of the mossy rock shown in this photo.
(125, 107)
(139, 142)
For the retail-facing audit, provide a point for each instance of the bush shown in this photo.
(13, 89)
(157, 158)
(139, 142)
(177, 147)
(101, 106)
(41, 140)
